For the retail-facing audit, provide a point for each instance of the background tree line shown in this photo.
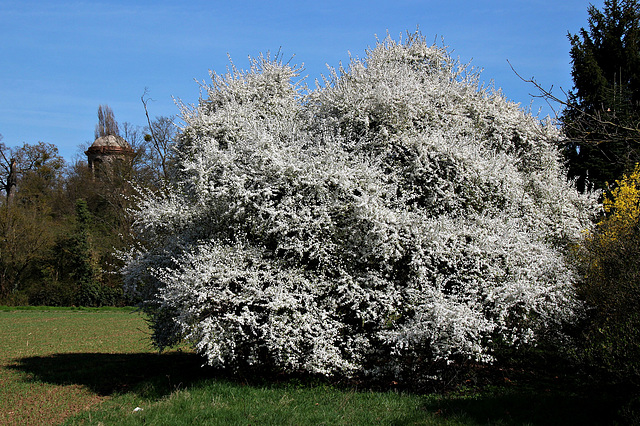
(60, 224)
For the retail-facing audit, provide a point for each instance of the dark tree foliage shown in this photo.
(31, 181)
(61, 223)
(85, 270)
(603, 119)
(32, 170)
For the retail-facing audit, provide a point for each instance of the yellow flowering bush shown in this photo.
(610, 257)
(622, 208)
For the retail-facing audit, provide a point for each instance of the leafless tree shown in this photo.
(107, 124)
(160, 138)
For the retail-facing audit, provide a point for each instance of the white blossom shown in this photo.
(396, 211)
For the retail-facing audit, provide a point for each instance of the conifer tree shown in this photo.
(603, 120)
(82, 256)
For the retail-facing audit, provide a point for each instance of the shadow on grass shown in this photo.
(147, 374)
(527, 406)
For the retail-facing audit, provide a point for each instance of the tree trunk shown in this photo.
(12, 180)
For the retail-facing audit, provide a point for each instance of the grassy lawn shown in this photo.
(96, 366)
(47, 356)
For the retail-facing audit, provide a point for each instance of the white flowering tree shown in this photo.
(398, 214)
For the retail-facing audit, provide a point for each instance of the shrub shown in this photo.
(395, 217)
(610, 258)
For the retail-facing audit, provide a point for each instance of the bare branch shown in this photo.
(596, 118)
(160, 145)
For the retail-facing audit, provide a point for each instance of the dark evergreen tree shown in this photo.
(85, 270)
(602, 122)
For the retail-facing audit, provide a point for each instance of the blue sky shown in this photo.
(61, 59)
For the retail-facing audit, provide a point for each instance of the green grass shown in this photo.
(222, 402)
(95, 366)
(40, 337)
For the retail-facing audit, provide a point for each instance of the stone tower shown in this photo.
(109, 153)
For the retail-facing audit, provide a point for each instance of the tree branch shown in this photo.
(548, 96)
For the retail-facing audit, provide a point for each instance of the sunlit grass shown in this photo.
(222, 402)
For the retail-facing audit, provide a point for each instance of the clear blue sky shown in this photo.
(61, 59)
